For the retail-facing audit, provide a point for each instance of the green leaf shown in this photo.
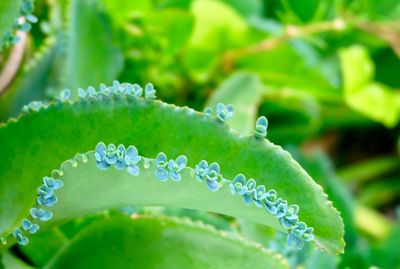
(217, 28)
(375, 100)
(152, 127)
(91, 53)
(43, 246)
(31, 83)
(164, 243)
(123, 11)
(247, 8)
(244, 92)
(12, 262)
(172, 26)
(285, 67)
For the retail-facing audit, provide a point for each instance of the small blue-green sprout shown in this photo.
(32, 106)
(115, 88)
(24, 27)
(295, 241)
(41, 214)
(299, 234)
(201, 170)
(161, 163)
(210, 174)
(111, 154)
(27, 225)
(259, 195)
(15, 39)
(132, 158)
(82, 94)
(126, 89)
(208, 112)
(47, 201)
(281, 208)
(100, 155)
(270, 202)
(31, 18)
(26, 7)
(45, 191)
(91, 92)
(238, 185)
(137, 90)
(308, 235)
(149, 92)
(251, 188)
(261, 127)
(290, 218)
(176, 166)
(65, 95)
(21, 239)
(103, 87)
(52, 183)
(224, 112)
(120, 164)
(104, 90)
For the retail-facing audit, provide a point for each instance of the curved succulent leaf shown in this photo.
(32, 83)
(30, 149)
(164, 243)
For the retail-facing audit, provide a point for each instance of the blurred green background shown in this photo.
(326, 74)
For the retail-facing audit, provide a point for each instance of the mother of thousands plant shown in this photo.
(118, 146)
(156, 154)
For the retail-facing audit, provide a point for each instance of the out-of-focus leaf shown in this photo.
(369, 169)
(12, 262)
(387, 255)
(122, 12)
(172, 26)
(218, 27)
(244, 92)
(247, 8)
(371, 223)
(285, 67)
(43, 246)
(305, 10)
(294, 115)
(385, 9)
(182, 4)
(31, 82)
(321, 260)
(380, 193)
(374, 100)
(91, 55)
(148, 242)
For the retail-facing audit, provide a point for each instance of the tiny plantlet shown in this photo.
(20, 17)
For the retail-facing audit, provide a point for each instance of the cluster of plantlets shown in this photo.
(22, 22)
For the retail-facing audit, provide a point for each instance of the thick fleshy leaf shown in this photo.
(140, 122)
(164, 243)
